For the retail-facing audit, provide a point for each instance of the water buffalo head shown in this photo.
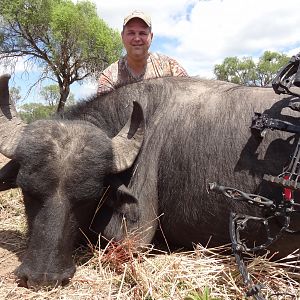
(60, 166)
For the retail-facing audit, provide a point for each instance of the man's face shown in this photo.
(137, 38)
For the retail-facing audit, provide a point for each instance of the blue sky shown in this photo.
(200, 33)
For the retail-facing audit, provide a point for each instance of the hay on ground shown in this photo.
(119, 272)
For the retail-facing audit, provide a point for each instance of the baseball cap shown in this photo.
(140, 15)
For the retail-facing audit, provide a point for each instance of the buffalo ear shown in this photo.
(8, 175)
(123, 202)
(127, 143)
(118, 215)
(126, 205)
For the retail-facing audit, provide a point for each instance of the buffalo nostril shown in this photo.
(22, 282)
(28, 278)
(36, 282)
(65, 281)
(45, 283)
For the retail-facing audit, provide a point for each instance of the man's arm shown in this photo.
(107, 79)
(176, 68)
(105, 84)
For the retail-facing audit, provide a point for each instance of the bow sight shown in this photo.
(289, 180)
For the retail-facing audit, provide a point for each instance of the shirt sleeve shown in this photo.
(106, 79)
(104, 85)
(176, 68)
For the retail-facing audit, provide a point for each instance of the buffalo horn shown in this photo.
(11, 126)
(127, 143)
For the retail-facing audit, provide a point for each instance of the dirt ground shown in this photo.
(11, 245)
(11, 240)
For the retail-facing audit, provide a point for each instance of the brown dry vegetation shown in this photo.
(117, 273)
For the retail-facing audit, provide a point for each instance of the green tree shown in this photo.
(245, 71)
(50, 94)
(233, 69)
(30, 112)
(14, 93)
(268, 65)
(67, 40)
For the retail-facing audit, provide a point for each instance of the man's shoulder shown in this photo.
(169, 66)
(114, 66)
(159, 56)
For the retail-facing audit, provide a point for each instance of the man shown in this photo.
(138, 63)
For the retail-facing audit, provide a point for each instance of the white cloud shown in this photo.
(113, 12)
(19, 65)
(207, 31)
(82, 91)
(201, 33)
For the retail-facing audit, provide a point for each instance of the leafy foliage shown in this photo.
(67, 40)
(245, 71)
(30, 112)
(50, 95)
(268, 65)
(14, 93)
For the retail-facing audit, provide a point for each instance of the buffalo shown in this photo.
(156, 144)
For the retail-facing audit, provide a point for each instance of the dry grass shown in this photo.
(119, 272)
